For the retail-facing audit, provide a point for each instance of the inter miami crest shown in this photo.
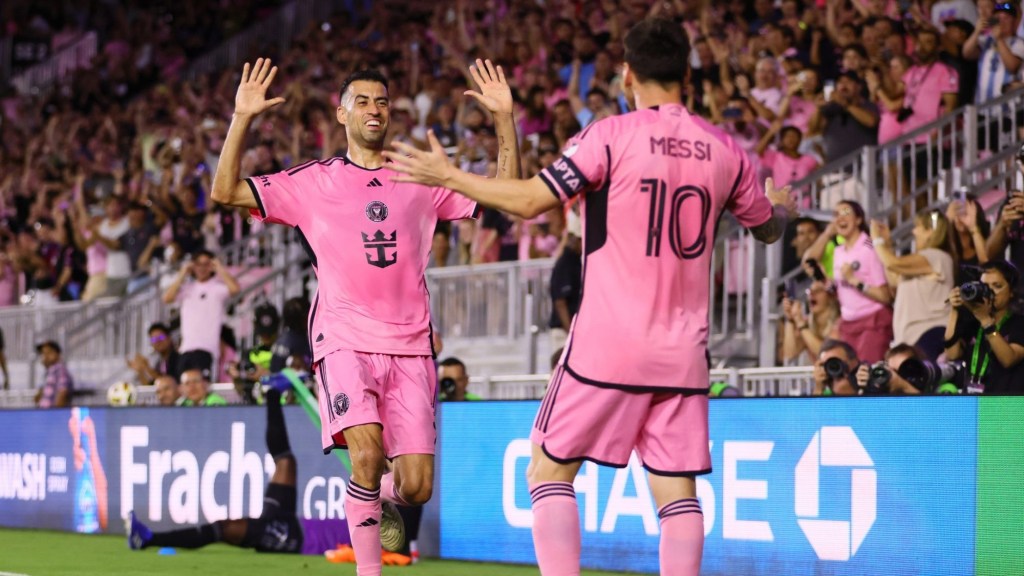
(377, 211)
(340, 403)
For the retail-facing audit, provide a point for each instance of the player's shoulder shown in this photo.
(316, 166)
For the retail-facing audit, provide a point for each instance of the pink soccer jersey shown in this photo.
(653, 184)
(369, 239)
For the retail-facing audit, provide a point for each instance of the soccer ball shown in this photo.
(121, 394)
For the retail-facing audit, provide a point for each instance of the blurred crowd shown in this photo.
(108, 175)
(104, 181)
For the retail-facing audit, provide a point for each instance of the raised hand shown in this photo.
(494, 94)
(251, 97)
(781, 197)
(419, 166)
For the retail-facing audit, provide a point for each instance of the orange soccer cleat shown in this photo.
(395, 559)
(343, 554)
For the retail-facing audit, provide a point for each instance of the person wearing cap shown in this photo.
(566, 282)
(58, 384)
(996, 47)
(848, 122)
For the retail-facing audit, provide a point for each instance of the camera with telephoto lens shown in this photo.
(447, 386)
(929, 377)
(835, 368)
(879, 377)
(975, 292)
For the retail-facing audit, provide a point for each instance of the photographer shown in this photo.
(453, 380)
(884, 377)
(835, 368)
(984, 332)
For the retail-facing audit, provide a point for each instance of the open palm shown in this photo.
(251, 97)
(494, 94)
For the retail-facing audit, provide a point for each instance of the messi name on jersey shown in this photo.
(681, 148)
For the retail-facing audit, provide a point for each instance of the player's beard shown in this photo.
(370, 140)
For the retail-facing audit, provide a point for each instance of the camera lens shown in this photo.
(975, 292)
(835, 368)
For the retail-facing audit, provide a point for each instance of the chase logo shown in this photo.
(835, 539)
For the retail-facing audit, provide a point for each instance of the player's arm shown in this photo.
(782, 207)
(523, 198)
(496, 96)
(250, 100)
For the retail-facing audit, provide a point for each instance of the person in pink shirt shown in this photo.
(930, 86)
(861, 284)
(786, 163)
(634, 373)
(368, 237)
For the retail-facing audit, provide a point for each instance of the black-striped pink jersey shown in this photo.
(653, 185)
(369, 239)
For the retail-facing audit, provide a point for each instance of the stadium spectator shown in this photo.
(921, 281)
(167, 391)
(58, 386)
(9, 283)
(839, 383)
(894, 358)
(195, 390)
(202, 302)
(453, 381)
(109, 232)
(987, 334)
(786, 163)
(862, 287)
(930, 86)
(848, 122)
(996, 47)
(276, 530)
(1009, 232)
(291, 350)
(970, 230)
(164, 360)
(803, 334)
(566, 283)
(135, 242)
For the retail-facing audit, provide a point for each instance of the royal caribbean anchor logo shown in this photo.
(379, 242)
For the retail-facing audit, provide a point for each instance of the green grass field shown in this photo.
(39, 553)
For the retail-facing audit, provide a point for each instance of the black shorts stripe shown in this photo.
(323, 385)
(551, 406)
(678, 473)
(547, 399)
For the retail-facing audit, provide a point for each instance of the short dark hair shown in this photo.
(832, 344)
(203, 252)
(806, 220)
(1008, 270)
(597, 91)
(452, 361)
(858, 48)
(657, 50)
(159, 326)
(782, 133)
(368, 75)
(904, 349)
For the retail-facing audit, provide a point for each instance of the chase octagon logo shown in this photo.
(836, 539)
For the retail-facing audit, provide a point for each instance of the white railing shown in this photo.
(973, 149)
(58, 67)
(751, 382)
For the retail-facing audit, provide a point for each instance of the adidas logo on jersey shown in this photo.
(374, 183)
(368, 522)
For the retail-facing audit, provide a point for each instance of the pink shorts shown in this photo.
(668, 430)
(397, 392)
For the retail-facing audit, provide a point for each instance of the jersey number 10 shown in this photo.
(658, 190)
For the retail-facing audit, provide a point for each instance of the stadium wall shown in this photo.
(800, 486)
(824, 486)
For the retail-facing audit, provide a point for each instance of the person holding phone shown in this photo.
(996, 47)
(808, 323)
(1009, 229)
